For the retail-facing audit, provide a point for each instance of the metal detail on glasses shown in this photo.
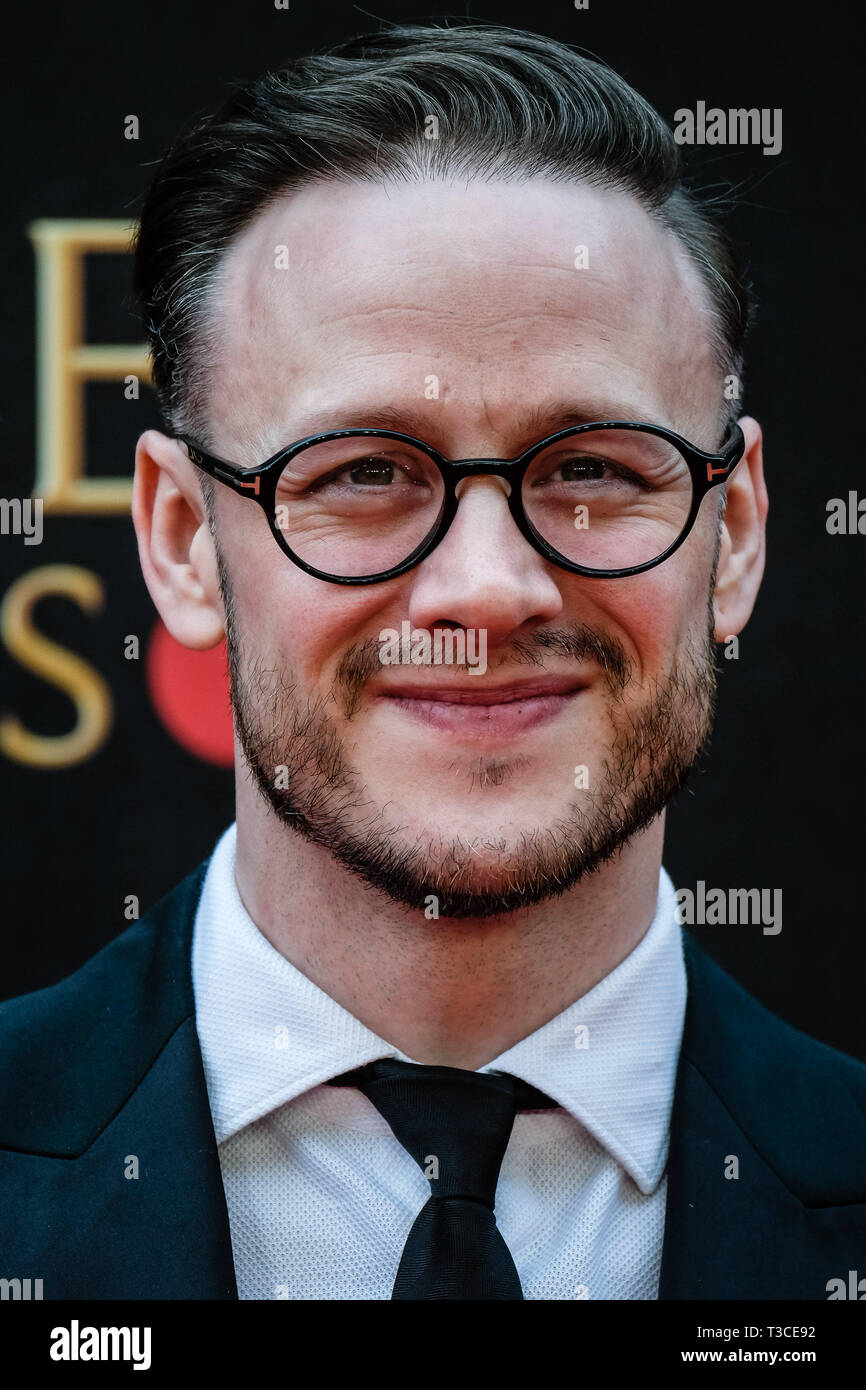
(359, 506)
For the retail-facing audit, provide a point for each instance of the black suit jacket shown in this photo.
(106, 1065)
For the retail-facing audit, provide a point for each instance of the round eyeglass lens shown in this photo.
(358, 506)
(609, 499)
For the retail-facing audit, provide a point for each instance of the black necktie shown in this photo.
(456, 1125)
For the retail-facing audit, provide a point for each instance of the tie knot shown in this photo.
(454, 1123)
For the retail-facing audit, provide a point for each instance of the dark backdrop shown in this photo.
(778, 803)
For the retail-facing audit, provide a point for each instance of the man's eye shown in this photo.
(578, 469)
(584, 468)
(369, 472)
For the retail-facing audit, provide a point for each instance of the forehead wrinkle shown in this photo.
(613, 264)
(485, 398)
(482, 422)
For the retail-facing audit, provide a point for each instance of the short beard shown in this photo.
(297, 761)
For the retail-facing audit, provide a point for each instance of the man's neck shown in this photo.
(450, 993)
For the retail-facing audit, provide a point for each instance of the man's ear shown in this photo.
(175, 546)
(743, 544)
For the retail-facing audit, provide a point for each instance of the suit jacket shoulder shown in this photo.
(98, 1032)
(802, 1103)
(767, 1160)
(110, 1184)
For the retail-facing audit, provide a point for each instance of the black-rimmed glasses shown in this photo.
(359, 506)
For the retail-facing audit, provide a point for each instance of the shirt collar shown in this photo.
(268, 1033)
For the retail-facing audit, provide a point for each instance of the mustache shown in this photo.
(576, 642)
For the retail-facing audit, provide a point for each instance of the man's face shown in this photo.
(473, 288)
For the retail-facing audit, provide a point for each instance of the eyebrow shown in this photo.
(528, 426)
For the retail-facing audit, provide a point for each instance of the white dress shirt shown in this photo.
(320, 1193)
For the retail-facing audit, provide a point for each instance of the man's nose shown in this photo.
(484, 573)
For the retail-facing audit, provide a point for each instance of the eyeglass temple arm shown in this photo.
(218, 468)
(733, 449)
(728, 457)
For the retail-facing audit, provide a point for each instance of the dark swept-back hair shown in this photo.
(509, 104)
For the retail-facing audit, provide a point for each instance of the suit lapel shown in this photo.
(110, 1158)
(765, 1199)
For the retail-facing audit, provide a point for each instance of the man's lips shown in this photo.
(503, 710)
(487, 695)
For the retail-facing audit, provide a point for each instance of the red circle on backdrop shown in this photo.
(190, 693)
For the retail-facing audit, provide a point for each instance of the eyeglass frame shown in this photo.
(259, 484)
